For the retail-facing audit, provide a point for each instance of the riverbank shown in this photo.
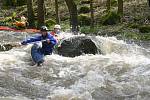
(135, 22)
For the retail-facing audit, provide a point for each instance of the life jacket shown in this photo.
(53, 33)
(55, 36)
(20, 24)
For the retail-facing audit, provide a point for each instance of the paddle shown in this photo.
(8, 46)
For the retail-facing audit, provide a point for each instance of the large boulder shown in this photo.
(76, 46)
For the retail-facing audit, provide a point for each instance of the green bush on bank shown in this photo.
(14, 2)
(114, 2)
(88, 30)
(84, 9)
(144, 29)
(110, 18)
(50, 22)
(136, 36)
(133, 25)
(84, 20)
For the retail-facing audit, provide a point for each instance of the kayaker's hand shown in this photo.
(23, 43)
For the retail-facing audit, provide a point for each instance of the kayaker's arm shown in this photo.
(30, 40)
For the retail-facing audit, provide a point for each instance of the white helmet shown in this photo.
(44, 28)
(57, 26)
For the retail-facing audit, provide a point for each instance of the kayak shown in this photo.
(6, 28)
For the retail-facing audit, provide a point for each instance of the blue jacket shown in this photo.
(47, 48)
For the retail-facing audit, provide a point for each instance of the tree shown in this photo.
(73, 15)
(92, 13)
(148, 2)
(57, 13)
(120, 8)
(108, 5)
(30, 13)
(40, 13)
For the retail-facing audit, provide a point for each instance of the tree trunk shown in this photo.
(73, 15)
(120, 7)
(1, 3)
(149, 3)
(57, 13)
(108, 4)
(92, 14)
(40, 13)
(30, 13)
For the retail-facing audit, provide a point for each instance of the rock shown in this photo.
(6, 47)
(76, 46)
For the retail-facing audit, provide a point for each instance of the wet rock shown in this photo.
(76, 46)
(6, 47)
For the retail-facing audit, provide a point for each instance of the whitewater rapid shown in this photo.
(121, 72)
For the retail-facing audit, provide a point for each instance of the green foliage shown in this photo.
(131, 35)
(88, 30)
(65, 25)
(110, 18)
(14, 2)
(84, 20)
(6, 21)
(50, 22)
(64, 18)
(148, 17)
(114, 3)
(133, 25)
(145, 37)
(3, 23)
(144, 29)
(21, 2)
(137, 18)
(8, 3)
(85, 2)
(84, 9)
(14, 14)
(136, 36)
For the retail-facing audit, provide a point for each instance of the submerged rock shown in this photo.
(6, 47)
(76, 46)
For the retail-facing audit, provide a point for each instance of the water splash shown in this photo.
(120, 73)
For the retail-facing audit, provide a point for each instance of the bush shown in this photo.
(133, 25)
(114, 2)
(88, 30)
(110, 18)
(2, 23)
(8, 3)
(144, 29)
(21, 2)
(64, 18)
(137, 18)
(85, 2)
(131, 35)
(145, 37)
(84, 20)
(14, 2)
(84, 9)
(50, 22)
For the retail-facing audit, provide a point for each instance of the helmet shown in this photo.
(57, 26)
(44, 28)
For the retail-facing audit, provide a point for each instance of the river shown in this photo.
(121, 72)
